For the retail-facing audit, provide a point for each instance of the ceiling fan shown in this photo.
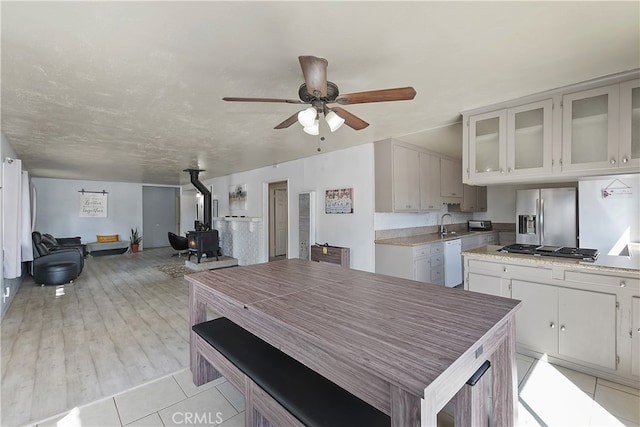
(319, 93)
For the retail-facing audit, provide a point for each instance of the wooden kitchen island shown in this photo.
(405, 347)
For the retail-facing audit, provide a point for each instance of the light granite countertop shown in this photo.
(604, 263)
(423, 239)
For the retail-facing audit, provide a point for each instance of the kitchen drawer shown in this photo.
(437, 259)
(421, 251)
(437, 275)
(601, 279)
(509, 270)
(437, 248)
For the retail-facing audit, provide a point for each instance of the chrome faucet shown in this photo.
(443, 229)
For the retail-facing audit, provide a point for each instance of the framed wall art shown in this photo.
(339, 201)
(238, 197)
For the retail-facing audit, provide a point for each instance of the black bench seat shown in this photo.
(307, 395)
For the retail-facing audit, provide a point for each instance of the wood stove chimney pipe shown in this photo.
(207, 220)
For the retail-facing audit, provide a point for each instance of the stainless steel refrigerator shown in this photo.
(547, 216)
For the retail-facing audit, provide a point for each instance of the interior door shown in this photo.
(158, 215)
(280, 216)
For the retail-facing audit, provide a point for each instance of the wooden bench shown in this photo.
(278, 389)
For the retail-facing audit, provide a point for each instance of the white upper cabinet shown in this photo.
(590, 128)
(487, 144)
(451, 180)
(530, 138)
(511, 142)
(406, 179)
(629, 150)
(409, 178)
(430, 182)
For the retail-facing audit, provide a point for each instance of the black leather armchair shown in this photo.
(57, 243)
(179, 243)
(55, 267)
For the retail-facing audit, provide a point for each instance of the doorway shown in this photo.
(278, 220)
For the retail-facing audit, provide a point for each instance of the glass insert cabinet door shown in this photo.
(529, 138)
(590, 129)
(630, 123)
(487, 144)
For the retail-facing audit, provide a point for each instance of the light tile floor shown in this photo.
(549, 396)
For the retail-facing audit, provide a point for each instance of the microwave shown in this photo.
(479, 225)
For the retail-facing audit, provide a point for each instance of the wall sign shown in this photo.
(93, 204)
(616, 189)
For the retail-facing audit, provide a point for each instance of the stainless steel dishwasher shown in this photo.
(452, 262)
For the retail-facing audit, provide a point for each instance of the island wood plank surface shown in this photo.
(403, 346)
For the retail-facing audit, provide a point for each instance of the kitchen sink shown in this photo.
(455, 233)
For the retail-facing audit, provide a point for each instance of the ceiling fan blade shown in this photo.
(350, 120)
(288, 101)
(397, 94)
(314, 70)
(291, 120)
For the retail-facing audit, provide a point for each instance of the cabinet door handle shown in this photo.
(612, 161)
(504, 269)
(562, 328)
(509, 170)
(501, 170)
(552, 325)
(625, 160)
(623, 284)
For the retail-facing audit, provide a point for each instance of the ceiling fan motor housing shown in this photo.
(332, 93)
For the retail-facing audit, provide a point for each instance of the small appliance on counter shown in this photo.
(479, 225)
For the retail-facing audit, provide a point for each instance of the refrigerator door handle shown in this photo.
(541, 216)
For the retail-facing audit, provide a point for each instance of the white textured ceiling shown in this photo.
(131, 91)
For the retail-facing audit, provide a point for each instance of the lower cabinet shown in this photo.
(581, 317)
(491, 285)
(568, 322)
(422, 269)
(537, 319)
(436, 274)
(407, 262)
(424, 263)
(587, 326)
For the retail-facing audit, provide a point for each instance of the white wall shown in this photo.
(349, 168)
(57, 208)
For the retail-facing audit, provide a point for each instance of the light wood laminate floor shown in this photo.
(122, 323)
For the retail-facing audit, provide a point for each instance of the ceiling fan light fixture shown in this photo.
(314, 129)
(334, 121)
(307, 117)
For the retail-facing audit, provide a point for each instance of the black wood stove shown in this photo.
(203, 243)
(204, 240)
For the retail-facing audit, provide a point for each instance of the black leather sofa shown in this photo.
(57, 243)
(55, 267)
